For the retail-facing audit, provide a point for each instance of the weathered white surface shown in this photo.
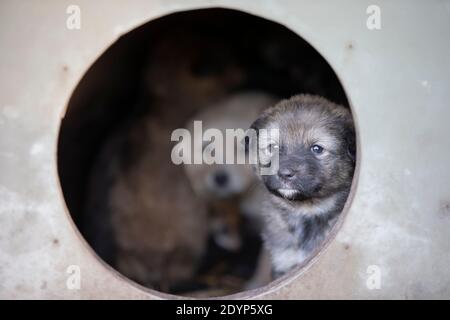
(397, 79)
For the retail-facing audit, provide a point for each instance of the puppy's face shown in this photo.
(221, 181)
(316, 148)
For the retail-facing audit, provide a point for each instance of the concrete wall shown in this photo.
(397, 80)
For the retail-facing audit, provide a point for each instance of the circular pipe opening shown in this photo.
(141, 213)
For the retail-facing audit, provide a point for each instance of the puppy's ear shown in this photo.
(251, 135)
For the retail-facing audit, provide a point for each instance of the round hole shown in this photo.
(140, 212)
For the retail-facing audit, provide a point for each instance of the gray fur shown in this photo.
(302, 205)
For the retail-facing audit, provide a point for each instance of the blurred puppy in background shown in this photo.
(142, 214)
(231, 191)
(228, 188)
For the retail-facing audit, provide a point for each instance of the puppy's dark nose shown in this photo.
(221, 178)
(286, 173)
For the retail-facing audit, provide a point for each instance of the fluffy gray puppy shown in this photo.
(316, 157)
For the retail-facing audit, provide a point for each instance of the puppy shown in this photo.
(228, 188)
(142, 215)
(150, 209)
(231, 191)
(316, 160)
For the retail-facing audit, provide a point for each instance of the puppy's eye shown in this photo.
(317, 149)
(273, 147)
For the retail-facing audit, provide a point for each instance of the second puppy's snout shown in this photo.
(221, 178)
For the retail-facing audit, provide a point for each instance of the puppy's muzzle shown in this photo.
(221, 179)
(287, 173)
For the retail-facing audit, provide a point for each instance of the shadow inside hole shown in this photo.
(163, 73)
